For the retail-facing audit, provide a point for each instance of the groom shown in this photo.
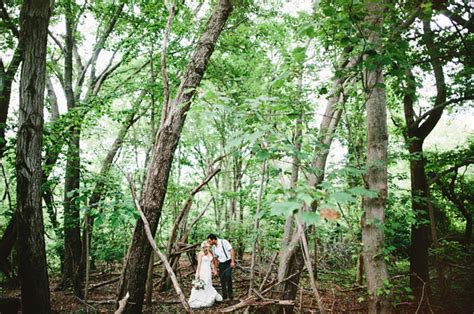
(224, 254)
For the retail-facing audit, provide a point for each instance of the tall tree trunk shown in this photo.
(257, 226)
(72, 271)
(34, 20)
(415, 135)
(291, 259)
(377, 140)
(134, 273)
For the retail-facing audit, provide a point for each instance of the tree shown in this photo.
(134, 273)
(31, 250)
(377, 139)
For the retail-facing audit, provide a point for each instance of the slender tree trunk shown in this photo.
(32, 268)
(256, 227)
(73, 270)
(415, 136)
(289, 261)
(6, 80)
(377, 140)
(135, 269)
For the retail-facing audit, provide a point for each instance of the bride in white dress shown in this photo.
(207, 296)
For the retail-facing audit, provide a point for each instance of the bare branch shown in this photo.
(56, 40)
(166, 88)
(156, 249)
(99, 45)
(442, 106)
(6, 18)
(441, 90)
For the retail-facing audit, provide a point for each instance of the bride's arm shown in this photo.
(198, 268)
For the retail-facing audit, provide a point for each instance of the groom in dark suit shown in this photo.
(224, 256)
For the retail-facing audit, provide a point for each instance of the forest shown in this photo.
(327, 144)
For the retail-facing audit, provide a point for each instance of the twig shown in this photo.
(268, 272)
(85, 303)
(422, 293)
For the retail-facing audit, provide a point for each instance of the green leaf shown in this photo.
(285, 208)
(262, 154)
(307, 30)
(308, 199)
(342, 197)
(310, 218)
(299, 54)
(361, 191)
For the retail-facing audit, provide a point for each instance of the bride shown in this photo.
(207, 296)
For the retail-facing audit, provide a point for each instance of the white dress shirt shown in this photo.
(222, 250)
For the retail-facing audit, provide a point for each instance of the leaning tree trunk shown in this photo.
(32, 269)
(288, 262)
(133, 277)
(377, 139)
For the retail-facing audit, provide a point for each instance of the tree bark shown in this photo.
(72, 270)
(134, 273)
(377, 139)
(32, 268)
(415, 136)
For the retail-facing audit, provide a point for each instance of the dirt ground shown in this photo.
(336, 299)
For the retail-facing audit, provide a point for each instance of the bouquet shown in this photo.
(198, 284)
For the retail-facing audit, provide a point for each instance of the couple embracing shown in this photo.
(216, 258)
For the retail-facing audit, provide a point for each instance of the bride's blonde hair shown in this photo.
(205, 247)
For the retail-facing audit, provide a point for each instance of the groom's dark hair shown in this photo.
(212, 236)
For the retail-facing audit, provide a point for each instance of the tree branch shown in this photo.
(166, 87)
(442, 106)
(56, 40)
(156, 249)
(441, 90)
(6, 18)
(99, 45)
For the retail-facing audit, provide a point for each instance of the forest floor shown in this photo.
(337, 297)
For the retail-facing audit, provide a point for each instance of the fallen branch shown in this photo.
(146, 226)
(122, 304)
(105, 283)
(249, 300)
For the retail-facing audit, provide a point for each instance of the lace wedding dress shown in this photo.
(207, 296)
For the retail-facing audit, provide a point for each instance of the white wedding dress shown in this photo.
(207, 296)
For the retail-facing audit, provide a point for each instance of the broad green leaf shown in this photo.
(285, 208)
(342, 197)
(310, 218)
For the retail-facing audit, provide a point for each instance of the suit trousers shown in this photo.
(225, 275)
